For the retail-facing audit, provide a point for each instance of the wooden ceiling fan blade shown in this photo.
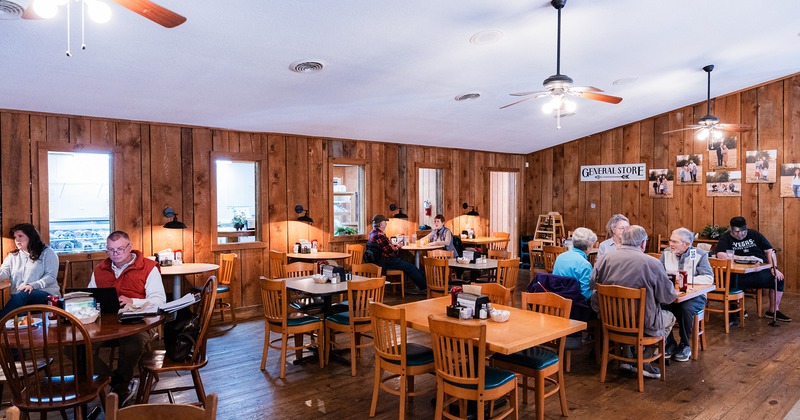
(681, 129)
(585, 89)
(599, 97)
(154, 12)
(739, 128)
(518, 102)
(531, 92)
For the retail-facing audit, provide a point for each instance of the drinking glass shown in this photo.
(729, 253)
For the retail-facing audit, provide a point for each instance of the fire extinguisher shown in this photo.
(427, 206)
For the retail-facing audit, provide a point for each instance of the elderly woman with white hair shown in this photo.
(575, 263)
(615, 226)
(678, 257)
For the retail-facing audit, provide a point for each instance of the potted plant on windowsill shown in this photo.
(238, 221)
(712, 231)
(344, 230)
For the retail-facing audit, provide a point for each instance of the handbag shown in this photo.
(180, 336)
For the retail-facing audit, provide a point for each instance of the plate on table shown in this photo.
(36, 322)
(744, 261)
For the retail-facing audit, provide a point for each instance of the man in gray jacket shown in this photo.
(630, 267)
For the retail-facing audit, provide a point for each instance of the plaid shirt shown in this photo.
(378, 237)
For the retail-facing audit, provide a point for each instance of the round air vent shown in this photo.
(468, 97)
(486, 37)
(12, 9)
(306, 66)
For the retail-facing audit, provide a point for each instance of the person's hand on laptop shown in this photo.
(124, 300)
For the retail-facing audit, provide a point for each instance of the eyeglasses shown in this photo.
(117, 251)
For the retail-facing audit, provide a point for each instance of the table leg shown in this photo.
(416, 258)
(176, 286)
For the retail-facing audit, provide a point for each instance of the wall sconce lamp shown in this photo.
(174, 223)
(400, 214)
(304, 218)
(472, 212)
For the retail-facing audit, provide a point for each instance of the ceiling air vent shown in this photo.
(305, 66)
(467, 97)
(12, 9)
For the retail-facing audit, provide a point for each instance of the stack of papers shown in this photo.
(188, 299)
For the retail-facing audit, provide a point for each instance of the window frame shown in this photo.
(366, 199)
(260, 166)
(445, 168)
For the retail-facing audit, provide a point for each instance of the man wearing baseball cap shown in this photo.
(389, 251)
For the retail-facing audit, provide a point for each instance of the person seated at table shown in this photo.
(629, 266)
(575, 263)
(31, 269)
(750, 242)
(674, 258)
(378, 242)
(616, 224)
(138, 283)
(441, 235)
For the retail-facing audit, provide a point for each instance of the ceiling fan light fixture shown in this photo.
(98, 11)
(45, 9)
(716, 134)
(702, 134)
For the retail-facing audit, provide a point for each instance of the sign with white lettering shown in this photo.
(614, 172)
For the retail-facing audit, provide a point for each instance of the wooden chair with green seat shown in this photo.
(541, 362)
(367, 270)
(441, 254)
(536, 257)
(356, 322)
(499, 245)
(724, 293)
(459, 354)
(550, 253)
(356, 252)
(396, 356)
(276, 310)
(225, 279)
(277, 262)
(161, 411)
(498, 295)
(437, 275)
(508, 274)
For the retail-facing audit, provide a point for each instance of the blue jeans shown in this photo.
(20, 299)
(684, 314)
(394, 263)
(796, 190)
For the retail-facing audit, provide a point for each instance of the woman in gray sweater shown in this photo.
(32, 269)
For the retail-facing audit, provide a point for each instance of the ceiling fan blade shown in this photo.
(680, 129)
(585, 89)
(154, 12)
(739, 128)
(599, 97)
(531, 92)
(520, 101)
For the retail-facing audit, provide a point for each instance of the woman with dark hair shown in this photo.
(31, 268)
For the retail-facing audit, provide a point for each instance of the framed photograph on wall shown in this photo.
(790, 180)
(761, 166)
(689, 169)
(722, 153)
(661, 181)
(724, 184)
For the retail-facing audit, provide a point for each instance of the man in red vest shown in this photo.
(138, 283)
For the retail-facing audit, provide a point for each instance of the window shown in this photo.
(349, 187)
(236, 201)
(79, 201)
(430, 195)
(503, 206)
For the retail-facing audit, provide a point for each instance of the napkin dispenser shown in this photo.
(473, 301)
(472, 256)
(330, 270)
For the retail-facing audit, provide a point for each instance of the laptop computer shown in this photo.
(105, 296)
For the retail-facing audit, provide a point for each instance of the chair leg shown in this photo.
(741, 311)
(695, 336)
(727, 315)
(266, 347)
(562, 392)
(321, 343)
(403, 395)
(568, 360)
(376, 384)
(284, 346)
(703, 343)
(354, 338)
(538, 394)
(439, 398)
(604, 359)
(198, 387)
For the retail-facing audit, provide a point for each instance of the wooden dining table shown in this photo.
(178, 271)
(737, 268)
(693, 292)
(524, 329)
(318, 256)
(472, 267)
(483, 240)
(419, 248)
(326, 291)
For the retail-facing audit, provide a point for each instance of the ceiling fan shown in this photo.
(709, 125)
(559, 86)
(145, 8)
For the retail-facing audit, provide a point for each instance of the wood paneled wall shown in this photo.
(773, 112)
(162, 165)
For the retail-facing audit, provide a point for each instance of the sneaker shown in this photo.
(650, 371)
(780, 316)
(683, 354)
(671, 349)
(734, 320)
(627, 366)
(126, 393)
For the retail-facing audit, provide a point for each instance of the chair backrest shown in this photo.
(356, 252)
(161, 411)
(547, 303)
(497, 254)
(389, 332)
(367, 270)
(63, 275)
(226, 267)
(273, 296)
(277, 262)
(440, 254)
(550, 253)
(704, 246)
(459, 352)
(207, 299)
(63, 341)
(535, 244)
(656, 255)
(360, 293)
(622, 309)
(663, 242)
(299, 269)
(500, 245)
(508, 272)
(497, 294)
(722, 274)
(437, 273)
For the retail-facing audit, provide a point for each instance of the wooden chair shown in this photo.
(622, 315)
(224, 292)
(536, 257)
(63, 275)
(393, 354)
(69, 381)
(541, 362)
(497, 254)
(277, 264)
(276, 311)
(459, 354)
(161, 411)
(699, 334)
(356, 321)
(440, 253)
(367, 270)
(401, 276)
(356, 252)
(508, 274)
(498, 295)
(663, 243)
(550, 253)
(155, 364)
(656, 255)
(298, 301)
(724, 293)
(757, 296)
(437, 274)
(500, 245)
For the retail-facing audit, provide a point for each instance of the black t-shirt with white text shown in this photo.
(754, 244)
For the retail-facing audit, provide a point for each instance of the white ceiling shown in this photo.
(393, 68)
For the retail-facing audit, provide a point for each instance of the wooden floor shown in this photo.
(750, 373)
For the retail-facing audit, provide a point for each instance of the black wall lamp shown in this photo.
(400, 214)
(304, 218)
(174, 223)
(472, 212)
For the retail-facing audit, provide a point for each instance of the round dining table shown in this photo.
(318, 256)
(178, 271)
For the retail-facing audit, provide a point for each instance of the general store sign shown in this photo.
(614, 172)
